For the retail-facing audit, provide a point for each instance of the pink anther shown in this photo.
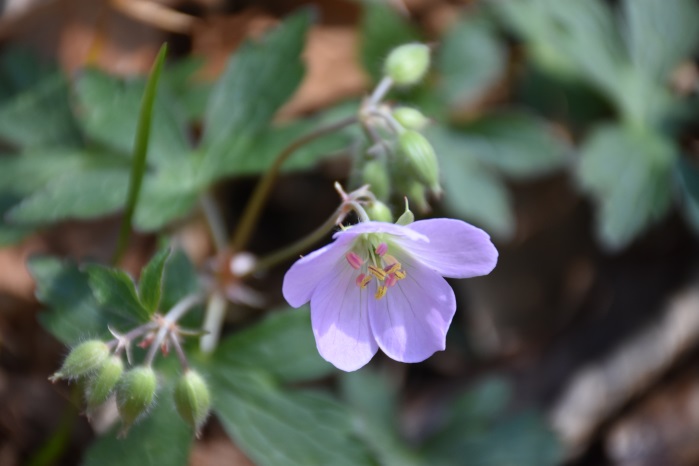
(354, 260)
(381, 249)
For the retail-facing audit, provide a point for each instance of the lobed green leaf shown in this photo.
(115, 290)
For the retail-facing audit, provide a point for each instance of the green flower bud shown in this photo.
(101, 386)
(374, 174)
(84, 359)
(415, 191)
(407, 64)
(135, 394)
(192, 399)
(410, 118)
(379, 211)
(422, 161)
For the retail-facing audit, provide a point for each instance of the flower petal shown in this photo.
(410, 323)
(306, 273)
(455, 248)
(340, 320)
(382, 227)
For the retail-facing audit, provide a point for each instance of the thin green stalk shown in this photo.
(140, 151)
(294, 249)
(264, 186)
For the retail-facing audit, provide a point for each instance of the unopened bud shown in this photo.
(104, 381)
(407, 64)
(84, 359)
(379, 211)
(410, 118)
(415, 191)
(135, 394)
(192, 399)
(421, 158)
(374, 174)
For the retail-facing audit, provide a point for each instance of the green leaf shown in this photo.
(140, 152)
(259, 78)
(275, 139)
(517, 144)
(477, 430)
(150, 284)
(22, 175)
(688, 180)
(180, 279)
(115, 290)
(628, 174)
(472, 191)
(285, 428)
(40, 116)
(571, 38)
(470, 61)
(109, 109)
(73, 312)
(660, 34)
(162, 438)
(374, 405)
(382, 28)
(20, 69)
(169, 194)
(281, 345)
(192, 93)
(82, 194)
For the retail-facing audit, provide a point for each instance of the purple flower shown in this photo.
(380, 285)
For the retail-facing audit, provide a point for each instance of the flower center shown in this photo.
(375, 263)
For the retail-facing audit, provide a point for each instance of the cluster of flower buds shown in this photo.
(99, 368)
(400, 160)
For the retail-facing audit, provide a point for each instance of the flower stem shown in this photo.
(215, 313)
(380, 91)
(264, 186)
(214, 220)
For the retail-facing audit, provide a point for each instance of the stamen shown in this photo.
(380, 292)
(391, 269)
(354, 260)
(377, 272)
(389, 259)
(363, 280)
(381, 249)
(400, 274)
(391, 280)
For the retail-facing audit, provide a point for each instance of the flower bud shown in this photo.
(407, 64)
(106, 378)
(422, 161)
(85, 358)
(415, 191)
(192, 399)
(410, 118)
(374, 174)
(379, 211)
(135, 394)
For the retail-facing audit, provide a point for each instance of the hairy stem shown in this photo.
(214, 220)
(215, 313)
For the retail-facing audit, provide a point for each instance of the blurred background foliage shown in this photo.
(565, 128)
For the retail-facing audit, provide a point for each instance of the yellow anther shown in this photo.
(363, 280)
(378, 272)
(400, 274)
(380, 292)
(391, 269)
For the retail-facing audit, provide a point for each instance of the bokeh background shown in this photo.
(567, 129)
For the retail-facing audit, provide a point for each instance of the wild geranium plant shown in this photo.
(378, 284)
